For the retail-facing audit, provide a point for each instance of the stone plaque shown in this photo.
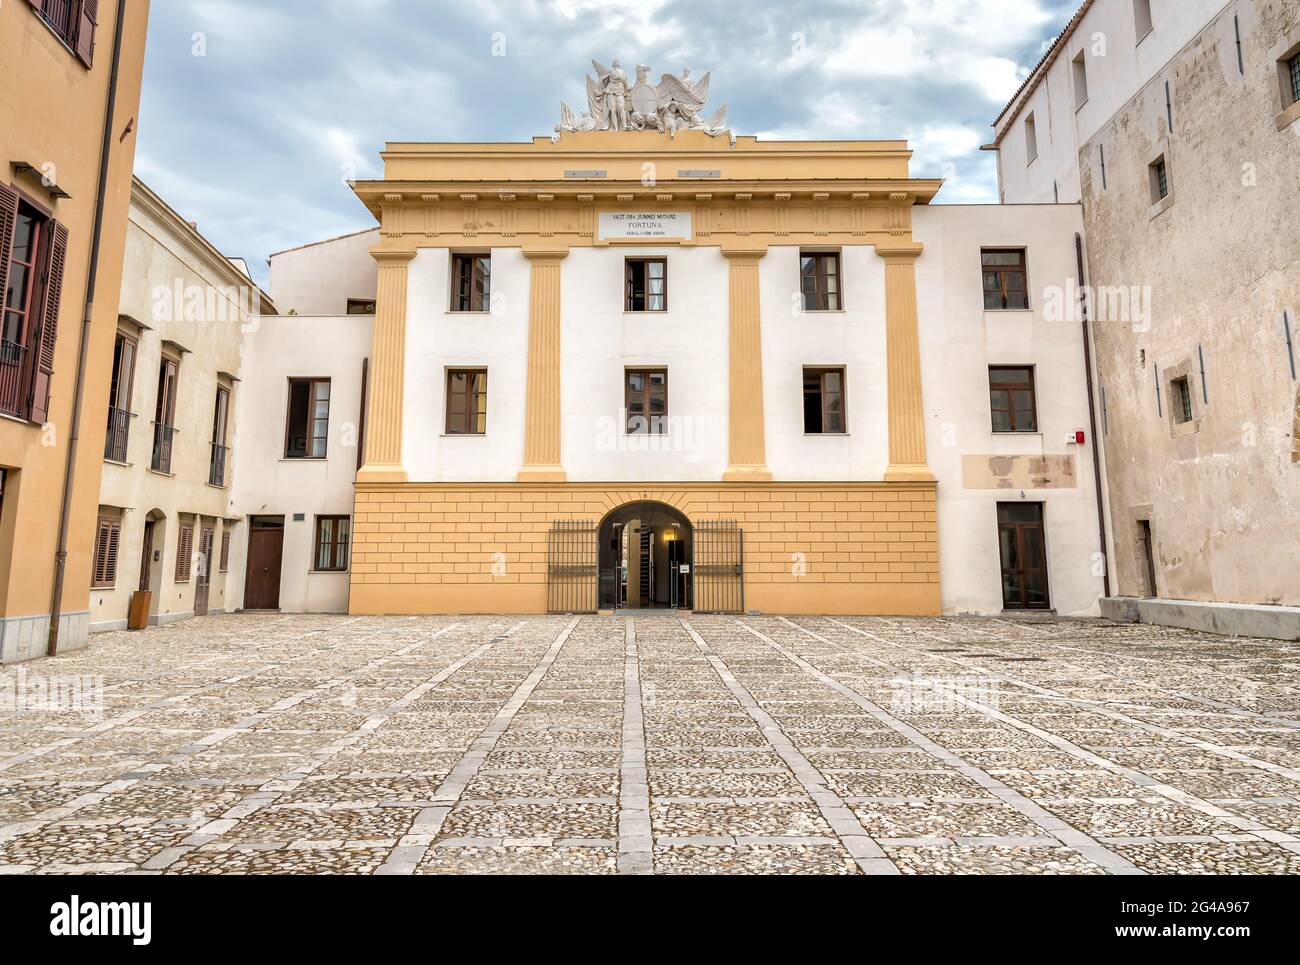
(648, 225)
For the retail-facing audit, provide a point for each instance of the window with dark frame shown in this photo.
(1180, 392)
(645, 399)
(466, 402)
(1012, 398)
(646, 284)
(819, 280)
(1159, 180)
(1293, 74)
(361, 306)
(823, 400)
(332, 543)
(471, 277)
(220, 451)
(307, 426)
(120, 385)
(33, 251)
(184, 551)
(164, 430)
(1006, 283)
(108, 533)
(73, 22)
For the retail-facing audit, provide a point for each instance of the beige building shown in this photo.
(327, 278)
(1177, 125)
(166, 517)
(67, 136)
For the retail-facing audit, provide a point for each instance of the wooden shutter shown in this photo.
(43, 367)
(107, 536)
(8, 218)
(184, 552)
(87, 19)
(225, 549)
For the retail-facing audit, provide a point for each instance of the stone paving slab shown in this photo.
(658, 744)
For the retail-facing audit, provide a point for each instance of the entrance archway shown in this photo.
(644, 557)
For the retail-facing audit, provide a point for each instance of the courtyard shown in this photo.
(653, 743)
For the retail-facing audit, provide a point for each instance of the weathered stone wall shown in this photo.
(1219, 260)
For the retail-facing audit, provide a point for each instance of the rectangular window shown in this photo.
(1293, 77)
(164, 431)
(1142, 17)
(119, 398)
(1079, 69)
(819, 280)
(646, 285)
(108, 533)
(645, 398)
(1006, 283)
(823, 400)
(1180, 398)
(466, 402)
(1031, 138)
(471, 279)
(33, 250)
(332, 542)
(184, 551)
(73, 22)
(1159, 180)
(225, 547)
(220, 417)
(1012, 399)
(307, 427)
(361, 306)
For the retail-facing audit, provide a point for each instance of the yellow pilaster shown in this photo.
(747, 459)
(383, 456)
(542, 413)
(907, 461)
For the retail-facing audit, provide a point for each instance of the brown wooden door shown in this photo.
(262, 583)
(1024, 556)
(204, 578)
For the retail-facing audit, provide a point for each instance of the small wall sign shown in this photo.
(650, 225)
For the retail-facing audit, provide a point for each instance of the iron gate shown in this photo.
(719, 551)
(571, 569)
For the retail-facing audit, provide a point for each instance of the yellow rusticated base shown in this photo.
(834, 548)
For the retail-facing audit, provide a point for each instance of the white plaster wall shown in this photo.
(959, 340)
(853, 338)
(267, 484)
(600, 340)
(319, 279)
(438, 339)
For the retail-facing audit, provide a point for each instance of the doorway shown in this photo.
(1024, 556)
(204, 579)
(644, 558)
(1147, 547)
(265, 555)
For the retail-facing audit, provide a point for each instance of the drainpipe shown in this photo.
(74, 432)
(1092, 420)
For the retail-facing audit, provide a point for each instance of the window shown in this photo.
(1079, 68)
(1031, 138)
(823, 400)
(361, 306)
(466, 402)
(645, 399)
(1142, 17)
(646, 284)
(225, 548)
(819, 280)
(220, 418)
(307, 429)
(1011, 398)
(33, 250)
(164, 432)
(184, 551)
(1006, 284)
(1180, 398)
(471, 283)
(1023, 551)
(119, 398)
(1291, 79)
(332, 542)
(1159, 180)
(108, 532)
(73, 22)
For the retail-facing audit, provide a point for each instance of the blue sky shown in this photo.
(254, 114)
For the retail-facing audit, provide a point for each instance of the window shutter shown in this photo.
(8, 218)
(106, 541)
(225, 550)
(87, 19)
(43, 369)
(184, 551)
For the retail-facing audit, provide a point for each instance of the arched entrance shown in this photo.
(644, 557)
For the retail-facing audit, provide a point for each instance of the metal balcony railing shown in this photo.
(12, 363)
(163, 437)
(217, 464)
(119, 431)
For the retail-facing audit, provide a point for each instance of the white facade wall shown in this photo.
(1118, 63)
(318, 279)
(267, 484)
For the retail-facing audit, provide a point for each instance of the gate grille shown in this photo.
(571, 572)
(719, 552)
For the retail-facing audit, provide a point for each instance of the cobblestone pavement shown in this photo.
(321, 744)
